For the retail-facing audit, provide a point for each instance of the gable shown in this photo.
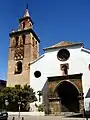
(64, 44)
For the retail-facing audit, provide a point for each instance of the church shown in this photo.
(61, 74)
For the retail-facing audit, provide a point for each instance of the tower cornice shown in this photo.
(24, 31)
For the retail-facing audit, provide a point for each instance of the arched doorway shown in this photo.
(68, 94)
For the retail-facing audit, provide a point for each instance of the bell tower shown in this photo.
(24, 48)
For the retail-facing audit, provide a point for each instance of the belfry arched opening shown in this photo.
(68, 94)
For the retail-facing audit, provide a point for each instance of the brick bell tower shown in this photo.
(24, 48)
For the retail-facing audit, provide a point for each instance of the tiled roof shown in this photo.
(63, 44)
(26, 14)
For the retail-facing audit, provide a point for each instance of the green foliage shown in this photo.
(40, 107)
(15, 94)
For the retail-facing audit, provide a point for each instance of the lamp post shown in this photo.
(6, 103)
(39, 94)
(19, 103)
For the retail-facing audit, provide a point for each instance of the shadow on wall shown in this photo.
(87, 102)
(45, 94)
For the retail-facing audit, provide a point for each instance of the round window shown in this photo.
(37, 74)
(63, 54)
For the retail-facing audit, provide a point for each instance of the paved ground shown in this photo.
(46, 118)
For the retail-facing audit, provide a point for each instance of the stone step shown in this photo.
(69, 114)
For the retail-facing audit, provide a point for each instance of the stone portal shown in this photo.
(65, 94)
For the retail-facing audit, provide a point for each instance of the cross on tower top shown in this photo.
(26, 6)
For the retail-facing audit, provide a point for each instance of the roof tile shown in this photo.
(63, 44)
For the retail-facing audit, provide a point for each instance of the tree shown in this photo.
(16, 94)
(40, 107)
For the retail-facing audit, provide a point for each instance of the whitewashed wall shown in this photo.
(49, 65)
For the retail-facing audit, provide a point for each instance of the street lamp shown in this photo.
(40, 94)
(19, 103)
(6, 103)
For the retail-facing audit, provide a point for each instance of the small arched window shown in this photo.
(23, 25)
(64, 68)
(23, 37)
(17, 41)
(18, 67)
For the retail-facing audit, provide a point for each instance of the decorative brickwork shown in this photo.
(19, 53)
(22, 51)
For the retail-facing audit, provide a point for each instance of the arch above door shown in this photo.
(58, 86)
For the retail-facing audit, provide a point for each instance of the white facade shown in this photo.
(49, 65)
